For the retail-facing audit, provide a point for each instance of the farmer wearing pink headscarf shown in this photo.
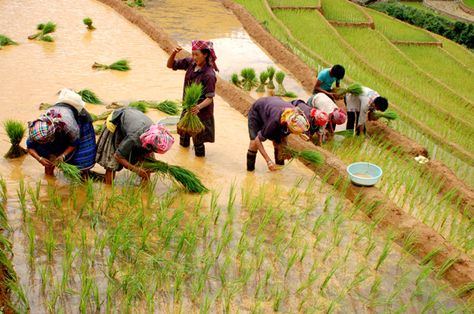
(200, 69)
(317, 119)
(128, 137)
(336, 115)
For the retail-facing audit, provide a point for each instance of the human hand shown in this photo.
(195, 109)
(45, 162)
(59, 159)
(177, 49)
(271, 166)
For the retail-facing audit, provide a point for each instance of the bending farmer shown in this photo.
(326, 78)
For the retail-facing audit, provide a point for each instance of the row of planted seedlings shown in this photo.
(260, 248)
(333, 51)
(412, 188)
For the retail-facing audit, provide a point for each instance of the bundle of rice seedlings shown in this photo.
(140, 105)
(311, 156)
(354, 89)
(102, 116)
(44, 30)
(249, 78)
(389, 115)
(190, 123)
(89, 97)
(120, 65)
(271, 74)
(44, 106)
(136, 3)
(5, 41)
(167, 106)
(263, 82)
(279, 77)
(88, 22)
(234, 79)
(98, 128)
(345, 133)
(71, 172)
(15, 131)
(183, 176)
(290, 95)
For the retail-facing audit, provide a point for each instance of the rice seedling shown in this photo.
(90, 97)
(328, 277)
(389, 115)
(44, 30)
(445, 266)
(15, 131)
(98, 128)
(385, 252)
(120, 65)
(465, 289)
(140, 105)
(354, 89)
(136, 3)
(249, 79)
(71, 172)
(88, 22)
(290, 94)
(263, 81)
(234, 79)
(311, 156)
(190, 122)
(432, 254)
(271, 74)
(5, 41)
(279, 77)
(167, 106)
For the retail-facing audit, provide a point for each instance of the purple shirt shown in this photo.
(266, 114)
(206, 76)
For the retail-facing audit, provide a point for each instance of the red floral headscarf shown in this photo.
(206, 44)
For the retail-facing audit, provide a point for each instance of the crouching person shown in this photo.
(335, 115)
(274, 119)
(359, 108)
(63, 133)
(317, 119)
(128, 138)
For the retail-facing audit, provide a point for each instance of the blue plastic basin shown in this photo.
(364, 173)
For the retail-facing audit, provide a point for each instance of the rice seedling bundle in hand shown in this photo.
(88, 22)
(249, 79)
(15, 131)
(71, 172)
(389, 115)
(234, 79)
(98, 128)
(345, 133)
(120, 65)
(167, 106)
(140, 105)
(183, 176)
(5, 41)
(279, 77)
(102, 116)
(271, 74)
(90, 97)
(311, 156)
(190, 122)
(263, 82)
(354, 89)
(290, 95)
(44, 30)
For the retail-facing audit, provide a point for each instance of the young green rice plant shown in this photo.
(234, 79)
(385, 252)
(140, 105)
(249, 78)
(184, 177)
(291, 261)
(167, 106)
(271, 74)
(190, 123)
(88, 22)
(389, 115)
(15, 131)
(354, 89)
(290, 94)
(432, 254)
(465, 289)
(5, 41)
(279, 77)
(445, 266)
(263, 81)
(21, 192)
(71, 172)
(44, 30)
(328, 277)
(50, 244)
(310, 156)
(90, 97)
(136, 3)
(120, 65)
(31, 241)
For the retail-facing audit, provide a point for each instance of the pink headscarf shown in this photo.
(339, 116)
(157, 137)
(206, 44)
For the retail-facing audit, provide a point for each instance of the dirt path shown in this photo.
(459, 274)
(449, 8)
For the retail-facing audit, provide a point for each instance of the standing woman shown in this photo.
(200, 68)
(129, 136)
(63, 133)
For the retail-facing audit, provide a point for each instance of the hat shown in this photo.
(338, 116)
(72, 98)
(295, 120)
(320, 117)
(158, 138)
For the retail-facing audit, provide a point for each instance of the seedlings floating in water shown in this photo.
(271, 74)
(5, 41)
(263, 82)
(120, 65)
(88, 22)
(44, 30)
(90, 97)
(15, 131)
(279, 77)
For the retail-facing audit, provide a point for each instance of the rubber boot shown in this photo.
(200, 150)
(278, 161)
(184, 141)
(251, 159)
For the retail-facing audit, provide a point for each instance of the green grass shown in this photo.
(469, 3)
(344, 11)
(460, 53)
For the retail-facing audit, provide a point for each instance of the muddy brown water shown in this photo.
(34, 71)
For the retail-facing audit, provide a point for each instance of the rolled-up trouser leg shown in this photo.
(278, 160)
(199, 150)
(251, 158)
